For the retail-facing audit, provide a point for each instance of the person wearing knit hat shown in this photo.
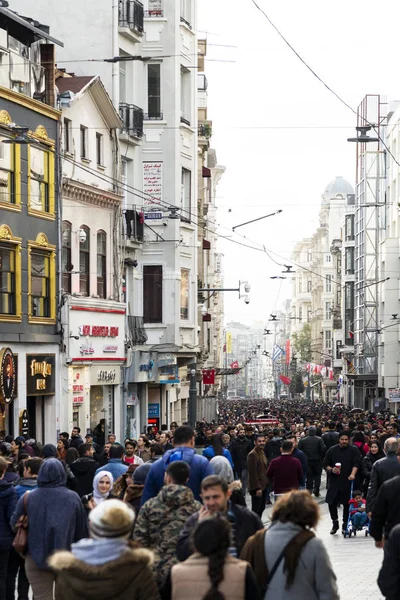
(105, 567)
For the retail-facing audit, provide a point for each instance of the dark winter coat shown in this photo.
(273, 448)
(330, 438)
(76, 442)
(199, 469)
(304, 464)
(8, 502)
(313, 447)
(383, 470)
(339, 486)
(240, 449)
(247, 523)
(84, 469)
(128, 578)
(389, 575)
(386, 513)
(56, 515)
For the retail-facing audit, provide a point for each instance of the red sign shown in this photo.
(78, 400)
(288, 352)
(99, 331)
(208, 376)
(234, 365)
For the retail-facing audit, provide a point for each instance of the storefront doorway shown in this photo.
(35, 406)
(102, 407)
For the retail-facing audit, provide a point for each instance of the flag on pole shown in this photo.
(208, 376)
(276, 352)
(287, 361)
(234, 365)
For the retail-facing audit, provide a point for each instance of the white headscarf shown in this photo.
(98, 497)
(222, 468)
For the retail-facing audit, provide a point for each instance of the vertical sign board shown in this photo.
(152, 183)
(8, 375)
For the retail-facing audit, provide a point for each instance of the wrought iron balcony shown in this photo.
(132, 117)
(131, 14)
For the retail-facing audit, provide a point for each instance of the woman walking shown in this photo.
(374, 454)
(217, 449)
(102, 489)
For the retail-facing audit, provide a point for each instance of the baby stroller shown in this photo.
(350, 527)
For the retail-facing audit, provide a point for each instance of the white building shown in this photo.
(152, 84)
(93, 316)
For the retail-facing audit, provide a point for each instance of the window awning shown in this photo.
(223, 372)
(206, 172)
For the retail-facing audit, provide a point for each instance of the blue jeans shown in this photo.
(359, 519)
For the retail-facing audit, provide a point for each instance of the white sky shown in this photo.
(280, 133)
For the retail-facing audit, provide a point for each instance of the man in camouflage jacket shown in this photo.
(161, 519)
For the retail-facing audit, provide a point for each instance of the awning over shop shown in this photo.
(224, 372)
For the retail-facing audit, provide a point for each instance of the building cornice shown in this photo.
(86, 193)
(28, 102)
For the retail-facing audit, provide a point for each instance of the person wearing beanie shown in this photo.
(57, 519)
(106, 566)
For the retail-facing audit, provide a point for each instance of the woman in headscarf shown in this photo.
(102, 489)
(216, 449)
(224, 470)
(374, 454)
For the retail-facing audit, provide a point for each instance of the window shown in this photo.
(309, 285)
(349, 228)
(68, 136)
(300, 284)
(154, 91)
(186, 15)
(349, 256)
(66, 266)
(328, 339)
(101, 264)
(309, 256)
(300, 314)
(10, 276)
(40, 284)
(328, 283)
(308, 314)
(185, 96)
(328, 311)
(186, 194)
(99, 149)
(185, 275)
(84, 260)
(10, 156)
(152, 293)
(41, 180)
(328, 258)
(122, 80)
(84, 142)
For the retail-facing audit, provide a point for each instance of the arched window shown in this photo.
(101, 264)
(84, 260)
(66, 257)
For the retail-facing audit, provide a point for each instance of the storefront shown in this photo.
(95, 358)
(40, 391)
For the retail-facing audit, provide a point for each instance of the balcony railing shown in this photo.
(132, 117)
(131, 14)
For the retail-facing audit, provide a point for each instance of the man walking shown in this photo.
(257, 469)
(382, 470)
(84, 469)
(386, 513)
(314, 449)
(330, 437)
(341, 463)
(115, 466)
(240, 449)
(285, 473)
(76, 439)
(183, 450)
(161, 519)
(300, 456)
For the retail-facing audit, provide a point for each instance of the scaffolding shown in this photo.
(369, 223)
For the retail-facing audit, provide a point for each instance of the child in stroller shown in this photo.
(358, 515)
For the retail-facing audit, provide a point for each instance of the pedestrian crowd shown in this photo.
(165, 516)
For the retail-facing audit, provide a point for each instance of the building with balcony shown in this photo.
(29, 243)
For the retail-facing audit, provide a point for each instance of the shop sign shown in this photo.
(110, 348)
(394, 395)
(23, 422)
(169, 374)
(40, 374)
(98, 331)
(8, 375)
(78, 400)
(154, 410)
(105, 375)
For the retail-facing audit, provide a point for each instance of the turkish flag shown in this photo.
(234, 365)
(285, 380)
(208, 376)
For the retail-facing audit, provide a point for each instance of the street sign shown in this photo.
(153, 216)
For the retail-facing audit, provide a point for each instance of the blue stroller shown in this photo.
(351, 529)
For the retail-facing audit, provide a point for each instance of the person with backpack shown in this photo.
(288, 560)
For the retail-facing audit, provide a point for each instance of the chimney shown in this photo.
(47, 60)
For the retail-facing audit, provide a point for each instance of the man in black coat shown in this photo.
(383, 470)
(240, 447)
(76, 439)
(340, 478)
(330, 437)
(386, 513)
(215, 495)
(314, 448)
(84, 469)
(389, 575)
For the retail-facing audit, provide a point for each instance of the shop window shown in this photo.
(42, 280)
(41, 182)
(66, 257)
(10, 276)
(184, 308)
(10, 159)
(101, 264)
(84, 260)
(152, 293)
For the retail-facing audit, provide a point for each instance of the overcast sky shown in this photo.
(280, 133)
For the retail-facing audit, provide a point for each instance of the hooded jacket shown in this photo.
(128, 577)
(26, 484)
(160, 522)
(8, 502)
(199, 469)
(56, 515)
(84, 469)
